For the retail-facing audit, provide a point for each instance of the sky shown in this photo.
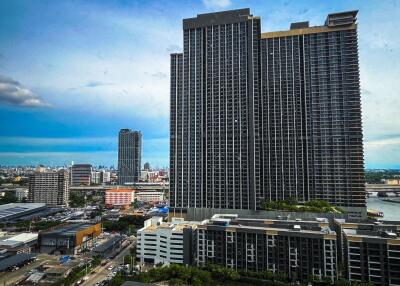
(72, 73)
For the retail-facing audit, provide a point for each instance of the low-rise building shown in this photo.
(20, 243)
(109, 247)
(150, 196)
(119, 197)
(300, 249)
(167, 242)
(69, 239)
(15, 211)
(21, 194)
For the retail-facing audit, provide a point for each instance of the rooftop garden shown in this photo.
(292, 205)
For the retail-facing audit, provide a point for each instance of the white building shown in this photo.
(167, 242)
(105, 177)
(96, 178)
(21, 193)
(150, 196)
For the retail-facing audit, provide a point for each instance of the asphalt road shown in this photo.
(13, 278)
(100, 273)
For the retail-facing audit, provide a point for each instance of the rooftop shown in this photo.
(19, 239)
(393, 237)
(15, 260)
(153, 224)
(319, 226)
(15, 209)
(120, 191)
(70, 229)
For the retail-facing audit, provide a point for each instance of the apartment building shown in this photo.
(370, 251)
(81, 175)
(150, 196)
(300, 249)
(167, 242)
(266, 116)
(51, 188)
(119, 197)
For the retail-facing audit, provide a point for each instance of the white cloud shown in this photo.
(217, 4)
(12, 92)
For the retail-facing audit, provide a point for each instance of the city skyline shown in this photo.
(103, 76)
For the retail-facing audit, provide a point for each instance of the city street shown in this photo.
(101, 272)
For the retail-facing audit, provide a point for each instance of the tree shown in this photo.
(8, 198)
(77, 201)
(176, 282)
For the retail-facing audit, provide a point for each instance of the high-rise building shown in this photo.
(105, 177)
(146, 166)
(81, 174)
(95, 178)
(129, 156)
(266, 116)
(51, 188)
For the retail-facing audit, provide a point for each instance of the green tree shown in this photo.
(9, 197)
(176, 282)
(77, 201)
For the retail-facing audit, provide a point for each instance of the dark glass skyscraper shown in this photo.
(129, 156)
(265, 116)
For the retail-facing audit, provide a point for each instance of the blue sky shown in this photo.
(75, 72)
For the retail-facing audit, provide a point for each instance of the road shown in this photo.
(100, 273)
(12, 278)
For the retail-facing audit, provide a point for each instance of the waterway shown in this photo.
(390, 210)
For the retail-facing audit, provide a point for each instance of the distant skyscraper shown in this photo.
(51, 188)
(146, 166)
(129, 156)
(105, 177)
(81, 174)
(265, 116)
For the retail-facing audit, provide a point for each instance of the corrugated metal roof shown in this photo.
(15, 260)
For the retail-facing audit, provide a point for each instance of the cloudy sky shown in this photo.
(72, 73)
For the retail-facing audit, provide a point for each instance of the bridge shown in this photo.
(382, 190)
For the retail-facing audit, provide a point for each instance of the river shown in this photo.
(390, 210)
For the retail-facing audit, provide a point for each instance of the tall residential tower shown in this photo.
(51, 188)
(129, 156)
(265, 116)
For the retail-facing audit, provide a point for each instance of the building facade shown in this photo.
(129, 156)
(369, 251)
(68, 239)
(300, 249)
(81, 175)
(265, 116)
(150, 196)
(21, 194)
(95, 178)
(119, 197)
(51, 188)
(372, 256)
(166, 243)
